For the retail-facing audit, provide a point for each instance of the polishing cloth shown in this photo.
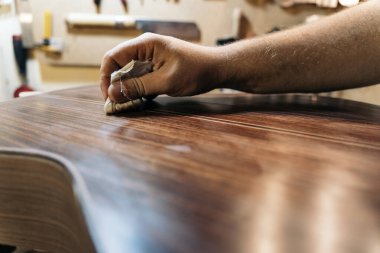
(131, 70)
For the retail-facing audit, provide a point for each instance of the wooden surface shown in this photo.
(40, 196)
(214, 173)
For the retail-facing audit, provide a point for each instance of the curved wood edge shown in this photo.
(81, 197)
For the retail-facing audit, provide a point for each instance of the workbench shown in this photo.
(212, 173)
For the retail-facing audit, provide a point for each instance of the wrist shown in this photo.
(230, 68)
(239, 66)
(224, 75)
(210, 74)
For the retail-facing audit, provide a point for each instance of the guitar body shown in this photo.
(213, 173)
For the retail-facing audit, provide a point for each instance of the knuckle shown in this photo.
(149, 35)
(107, 56)
(152, 37)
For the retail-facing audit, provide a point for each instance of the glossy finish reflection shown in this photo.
(215, 173)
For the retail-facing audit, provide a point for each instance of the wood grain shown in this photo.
(39, 209)
(215, 173)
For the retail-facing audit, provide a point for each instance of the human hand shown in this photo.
(179, 68)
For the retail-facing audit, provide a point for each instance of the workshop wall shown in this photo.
(214, 18)
(82, 50)
(85, 48)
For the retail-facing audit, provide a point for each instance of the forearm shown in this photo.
(339, 52)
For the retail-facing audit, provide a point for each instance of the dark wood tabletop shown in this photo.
(213, 173)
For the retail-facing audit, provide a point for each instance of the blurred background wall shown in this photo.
(81, 50)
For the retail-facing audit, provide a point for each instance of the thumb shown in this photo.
(148, 85)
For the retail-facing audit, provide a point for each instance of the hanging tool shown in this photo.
(125, 5)
(26, 22)
(48, 44)
(181, 29)
(47, 27)
(97, 5)
(21, 57)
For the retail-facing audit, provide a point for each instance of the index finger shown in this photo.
(119, 56)
(108, 66)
